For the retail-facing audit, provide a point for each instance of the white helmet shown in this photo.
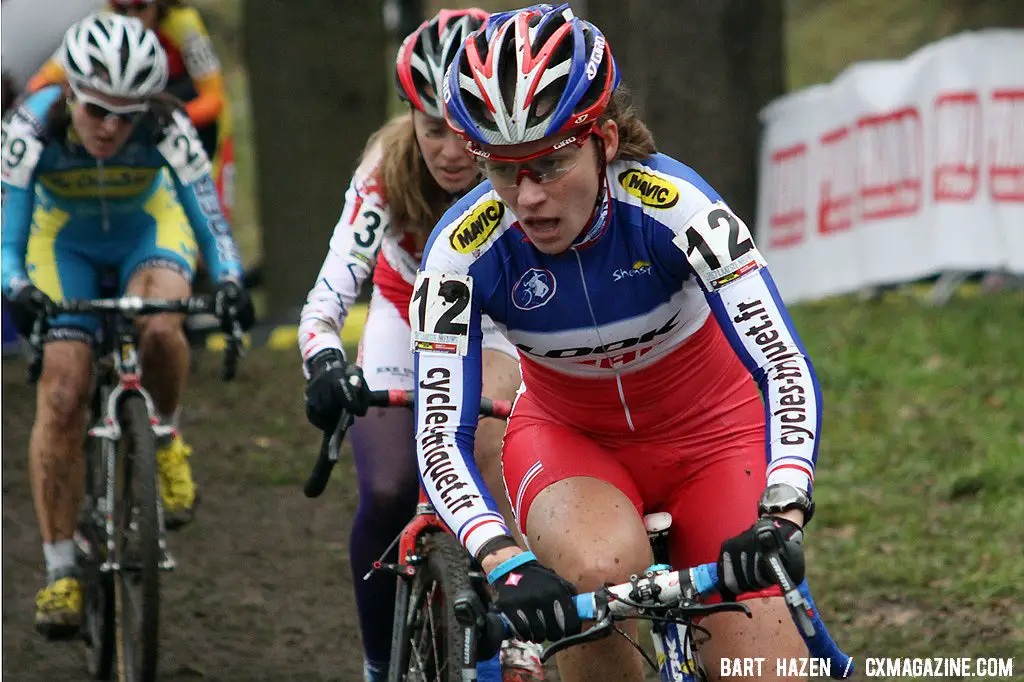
(116, 55)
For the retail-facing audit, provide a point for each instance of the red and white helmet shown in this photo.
(529, 74)
(427, 52)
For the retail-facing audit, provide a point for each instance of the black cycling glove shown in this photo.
(231, 302)
(26, 306)
(333, 386)
(741, 566)
(536, 601)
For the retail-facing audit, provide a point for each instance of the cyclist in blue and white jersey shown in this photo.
(105, 176)
(645, 319)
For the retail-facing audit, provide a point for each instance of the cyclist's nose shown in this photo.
(454, 148)
(531, 193)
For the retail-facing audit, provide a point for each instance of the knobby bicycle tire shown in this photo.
(98, 611)
(138, 620)
(427, 642)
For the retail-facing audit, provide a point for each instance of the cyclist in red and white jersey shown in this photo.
(645, 319)
(411, 172)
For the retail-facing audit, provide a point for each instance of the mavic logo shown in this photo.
(477, 227)
(650, 189)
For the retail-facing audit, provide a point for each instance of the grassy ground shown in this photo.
(918, 542)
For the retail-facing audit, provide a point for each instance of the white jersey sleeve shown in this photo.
(351, 257)
(748, 307)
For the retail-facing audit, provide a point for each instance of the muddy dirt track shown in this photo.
(262, 591)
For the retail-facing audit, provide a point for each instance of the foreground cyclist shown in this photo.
(194, 75)
(641, 309)
(412, 171)
(105, 175)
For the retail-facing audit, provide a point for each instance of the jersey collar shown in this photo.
(599, 219)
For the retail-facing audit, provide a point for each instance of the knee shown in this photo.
(612, 566)
(63, 391)
(487, 450)
(589, 563)
(386, 495)
(390, 494)
(162, 332)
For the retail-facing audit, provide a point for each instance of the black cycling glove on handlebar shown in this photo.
(26, 306)
(741, 566)
(537, 602)
(232, 302)
(333, 386)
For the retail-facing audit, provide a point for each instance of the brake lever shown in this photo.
(35, 345)
(695, 610)
(234, 350)
(601, 629)
(798, 605)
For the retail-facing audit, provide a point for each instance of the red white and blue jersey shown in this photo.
(662, 253)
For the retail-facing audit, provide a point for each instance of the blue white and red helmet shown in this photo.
(528, 74)
(427, 52)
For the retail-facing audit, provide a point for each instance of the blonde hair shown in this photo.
(415, 199)
(635, 138)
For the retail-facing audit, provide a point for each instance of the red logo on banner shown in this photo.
(838, 181)
(889, 164)
(957, 140)
(787, 191)
(1006, 173)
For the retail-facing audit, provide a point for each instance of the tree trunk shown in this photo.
(318, 86)
(700, 71)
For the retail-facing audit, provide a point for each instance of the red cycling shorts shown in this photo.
(705, 465)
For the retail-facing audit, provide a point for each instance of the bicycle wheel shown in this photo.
(137, 585)
(428, 641)
(98, 586)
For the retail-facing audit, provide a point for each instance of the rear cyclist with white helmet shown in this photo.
(105, 174)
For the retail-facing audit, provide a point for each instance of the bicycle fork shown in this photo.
(108, 431)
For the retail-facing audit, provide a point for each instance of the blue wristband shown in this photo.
(508, 565)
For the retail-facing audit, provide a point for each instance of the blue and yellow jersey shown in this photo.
(56, 173)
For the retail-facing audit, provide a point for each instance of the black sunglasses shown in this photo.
(102, 113)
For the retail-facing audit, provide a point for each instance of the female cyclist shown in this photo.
(411, 172)
(194, 76)
(641, 309)
(105, 174)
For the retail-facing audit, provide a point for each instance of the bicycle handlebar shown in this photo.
(132, 306)
(330, 446)
(661, 587)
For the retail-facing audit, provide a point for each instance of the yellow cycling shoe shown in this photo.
(59, 609)
(177, 488)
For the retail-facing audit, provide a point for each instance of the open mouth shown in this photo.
(541, 227)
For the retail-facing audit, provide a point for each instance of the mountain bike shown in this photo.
(436, 575)
(121, 543)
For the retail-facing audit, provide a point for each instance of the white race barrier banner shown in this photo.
(897, 170)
